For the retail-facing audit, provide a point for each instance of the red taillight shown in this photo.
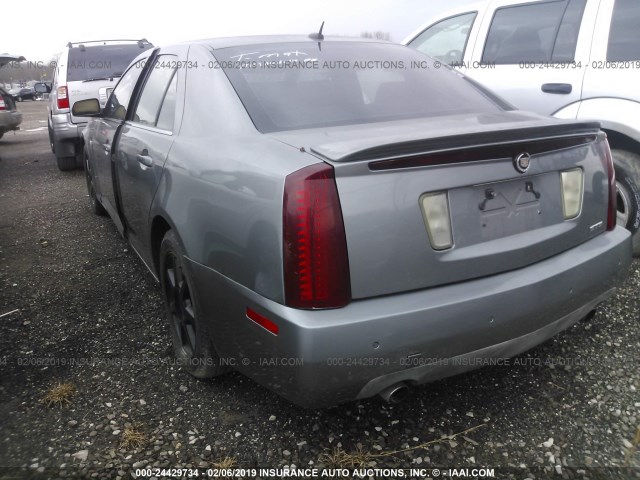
(3, 106)
(316, 266)
(607, 160)
(63, 97)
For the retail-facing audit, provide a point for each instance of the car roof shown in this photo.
(228, 42)
(102, 43)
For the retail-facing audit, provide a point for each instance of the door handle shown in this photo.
(145, 160)
(557, 88)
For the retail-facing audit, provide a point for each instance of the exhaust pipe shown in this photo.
(395, 393)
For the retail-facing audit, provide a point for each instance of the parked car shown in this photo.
(22, 94)
(340, 232)
(574, 59)
(83, 70)
(10, 117)
(45, 89)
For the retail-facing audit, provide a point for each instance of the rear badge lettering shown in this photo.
(522, 162)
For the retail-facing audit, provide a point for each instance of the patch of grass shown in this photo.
(359, 458)
(447, 439)
(225, 463)
(59, 395)
(338, 458)
(635, 443)
(133, 437)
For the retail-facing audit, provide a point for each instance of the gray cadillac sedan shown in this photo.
(339, 218)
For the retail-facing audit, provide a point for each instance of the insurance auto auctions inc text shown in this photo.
(368, 473)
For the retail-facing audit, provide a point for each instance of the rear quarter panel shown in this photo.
(223, 183)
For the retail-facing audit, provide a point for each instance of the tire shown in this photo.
(20, 99)
(94, 204)
(66, 163)
(627, 167)
(192, 346)
(80, 160)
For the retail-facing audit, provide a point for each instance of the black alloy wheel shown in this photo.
(180, 304)
(192, 347)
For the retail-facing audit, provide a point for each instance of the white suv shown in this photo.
(84, 70)
(577, 59)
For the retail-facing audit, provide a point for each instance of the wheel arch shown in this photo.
(620, 116)
(620, 141)
(160, 224)
(159, 227)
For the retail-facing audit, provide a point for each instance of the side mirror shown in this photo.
(86, 108)
(42, 88)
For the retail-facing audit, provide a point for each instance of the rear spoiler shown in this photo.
(383, 148)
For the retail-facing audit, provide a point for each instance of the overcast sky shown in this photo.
(39, 29)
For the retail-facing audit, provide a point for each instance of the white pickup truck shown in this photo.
(577, 59)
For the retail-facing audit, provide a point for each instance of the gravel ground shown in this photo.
(567, 409)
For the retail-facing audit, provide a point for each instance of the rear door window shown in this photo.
(564, 49)
(154, 91)
(624, 35)
(447, 39)
(541, 32)
(167, 111)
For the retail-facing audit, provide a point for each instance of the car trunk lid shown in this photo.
(501, 218)
(7, 102)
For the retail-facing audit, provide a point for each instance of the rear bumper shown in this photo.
(322, 358)
(66, 134)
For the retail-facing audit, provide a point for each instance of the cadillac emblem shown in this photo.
(522, 162)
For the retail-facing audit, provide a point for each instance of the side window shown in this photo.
(564, 49)
(167, 111)
(624, 34)
(524, 33)
(154, 91)
(118, 102)
(446, 40)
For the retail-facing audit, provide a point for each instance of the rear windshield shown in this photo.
(101, 61)
(305, 85)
